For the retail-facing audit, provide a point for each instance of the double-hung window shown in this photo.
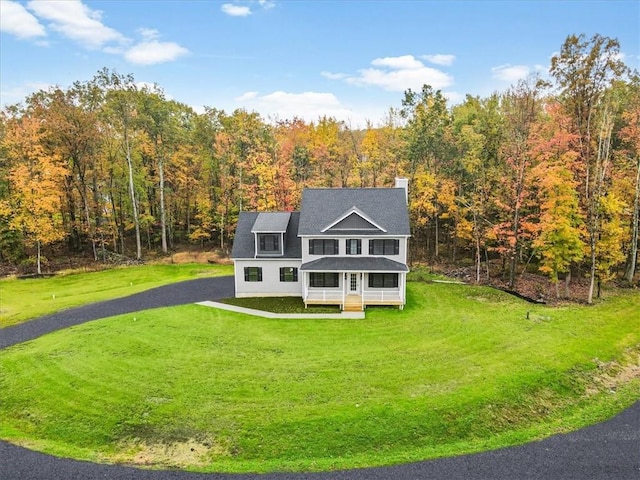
(322, 279)
(269, 243)
(288, 274)
(354, 246)
(323, 246)
(252, 274)
(384, 246)
(383, 280)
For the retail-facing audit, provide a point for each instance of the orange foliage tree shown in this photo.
(36, 183)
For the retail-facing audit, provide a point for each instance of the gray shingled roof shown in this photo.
(321, 207)
(357, 264)
(271, 222)
(243, 243)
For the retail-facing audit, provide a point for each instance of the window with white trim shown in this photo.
(252, 274)
(384, 246)
(383, 280)
(268, 243)
(323, 246)
(354, 246)
(288, 274)
(324, 279)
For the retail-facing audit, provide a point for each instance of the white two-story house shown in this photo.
(346, 246)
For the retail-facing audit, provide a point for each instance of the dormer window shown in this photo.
(269, 230)
(268, 243)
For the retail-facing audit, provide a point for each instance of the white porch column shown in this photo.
(344, 284)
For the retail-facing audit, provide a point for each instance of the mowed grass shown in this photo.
(280, 305)
(460, 369)
(25, 299)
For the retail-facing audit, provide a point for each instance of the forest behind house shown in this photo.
(543, 177)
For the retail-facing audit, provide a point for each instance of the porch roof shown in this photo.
(354, 264)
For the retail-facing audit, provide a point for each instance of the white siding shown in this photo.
(400, 258)
(270, 286)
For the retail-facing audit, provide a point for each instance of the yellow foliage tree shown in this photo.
(35, 178)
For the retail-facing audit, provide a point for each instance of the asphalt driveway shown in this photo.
(607, 451)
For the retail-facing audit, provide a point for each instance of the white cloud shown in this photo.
(334, 76)
(149, 33)
(267, 4)
(404, 62)
(16, 20)
(440, 59)
(18, 94)
(397, 74)
(309, 106)
(235, 10)
(151, 52)
(246, 96)
(510, 73)
(76, 21)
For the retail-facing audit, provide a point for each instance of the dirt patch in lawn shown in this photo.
(612, 375)
(175, 454)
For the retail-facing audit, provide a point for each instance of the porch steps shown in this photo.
(353, 304)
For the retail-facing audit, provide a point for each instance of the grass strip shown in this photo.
(25, 299)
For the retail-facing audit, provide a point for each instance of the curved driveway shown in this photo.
(607, 451)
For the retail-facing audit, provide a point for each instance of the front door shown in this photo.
(354, 283)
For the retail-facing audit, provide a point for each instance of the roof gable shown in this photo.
(324, 209)
(354, 219)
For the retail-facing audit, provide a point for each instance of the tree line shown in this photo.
(546, 173)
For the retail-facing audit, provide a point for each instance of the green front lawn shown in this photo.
(280, 305)
(460, 369)
(26, 299)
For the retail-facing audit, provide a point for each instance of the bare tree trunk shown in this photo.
(486, 263)
(592, 275)
(436, 251)
(600, 173)
(163, 216)
(38, 261)
(132, 192)
(478, 259)
(632, 259)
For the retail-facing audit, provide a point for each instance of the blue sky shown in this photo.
(282, 58)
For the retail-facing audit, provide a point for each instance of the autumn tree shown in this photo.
(163, 121)
(35, 181)
(477, 131)
(382, 149)
(327, 152)
(630, 152)
(119, 113)
(520, 107)
(70, 123)
(427, 130)
(559, 240)
(584, 70)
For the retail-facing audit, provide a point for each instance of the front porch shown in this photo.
(353, 293)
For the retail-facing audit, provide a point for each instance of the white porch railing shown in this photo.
(381, 296)
(324, 295)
